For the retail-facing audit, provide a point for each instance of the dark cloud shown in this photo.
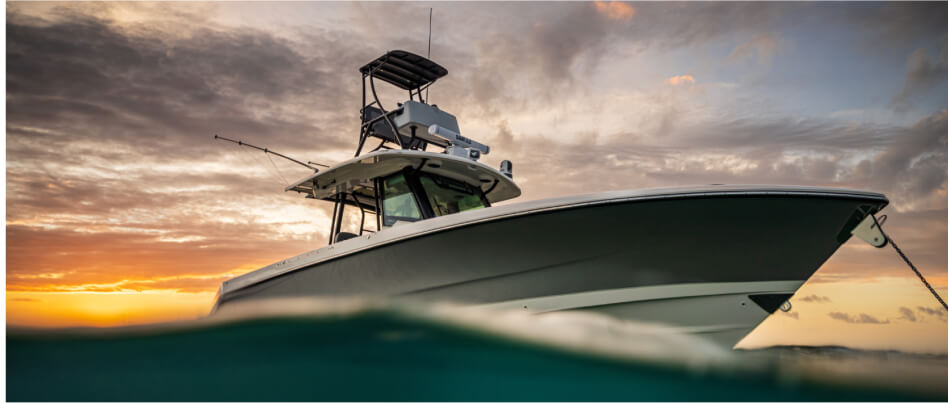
(888, 26)
(925, 73)
(938, 313)
(915, 163)
(908, 164)
(794, 315)
(907, 314)
(912, 163)
(88, 78)
(815, 298)
(687, 24)
(578, 36)
(785, 134)
(862, 318)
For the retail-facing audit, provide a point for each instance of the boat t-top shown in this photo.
(713, 260)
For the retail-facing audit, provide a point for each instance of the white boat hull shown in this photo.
(689, 258)
(719, 311)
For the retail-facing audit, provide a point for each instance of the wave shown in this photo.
(373, 349)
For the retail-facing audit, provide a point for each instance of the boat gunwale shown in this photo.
(474, 217)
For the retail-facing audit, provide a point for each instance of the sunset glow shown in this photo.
(99, 309)
(680, 80)
(617, 10)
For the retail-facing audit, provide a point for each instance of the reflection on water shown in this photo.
(352, 349)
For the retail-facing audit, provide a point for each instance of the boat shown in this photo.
(420, 218)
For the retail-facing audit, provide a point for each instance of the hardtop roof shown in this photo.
(357, 175)
(404, 70)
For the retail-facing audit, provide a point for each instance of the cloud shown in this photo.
(915, 163)
(760, 48)
(24, 300)
(794, 315)
(616, 10)
(938, 313)
(90, 78)
(925, 73)
(180, 283)
(906, 163)
(559, 47)
(863, 318)
(815, 298)
(888, 27)
(681, 80)
(907, 314)
(41, 276)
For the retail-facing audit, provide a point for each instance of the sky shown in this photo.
(122, 209)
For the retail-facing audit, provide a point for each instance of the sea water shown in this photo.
(356, 349)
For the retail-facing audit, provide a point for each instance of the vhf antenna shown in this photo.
(268, 151)
(430, 12)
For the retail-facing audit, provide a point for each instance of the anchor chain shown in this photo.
(909, 262)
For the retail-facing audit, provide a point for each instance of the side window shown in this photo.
(447, 197)
(399, 204)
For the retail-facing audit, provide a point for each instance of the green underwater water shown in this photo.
(379, 355)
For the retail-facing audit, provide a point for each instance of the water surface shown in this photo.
(374, 350)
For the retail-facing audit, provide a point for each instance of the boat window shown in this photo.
(398, 204)
(448, 197)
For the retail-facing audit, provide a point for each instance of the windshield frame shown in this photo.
(439, 180)
(413, 179)
(423, 209)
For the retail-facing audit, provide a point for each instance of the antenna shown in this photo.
(430, 12)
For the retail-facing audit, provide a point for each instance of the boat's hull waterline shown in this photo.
(697, 259)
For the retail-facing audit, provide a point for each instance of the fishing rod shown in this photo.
(268, 151)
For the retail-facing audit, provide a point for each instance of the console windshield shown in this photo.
(399, 203)
(449, 197)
